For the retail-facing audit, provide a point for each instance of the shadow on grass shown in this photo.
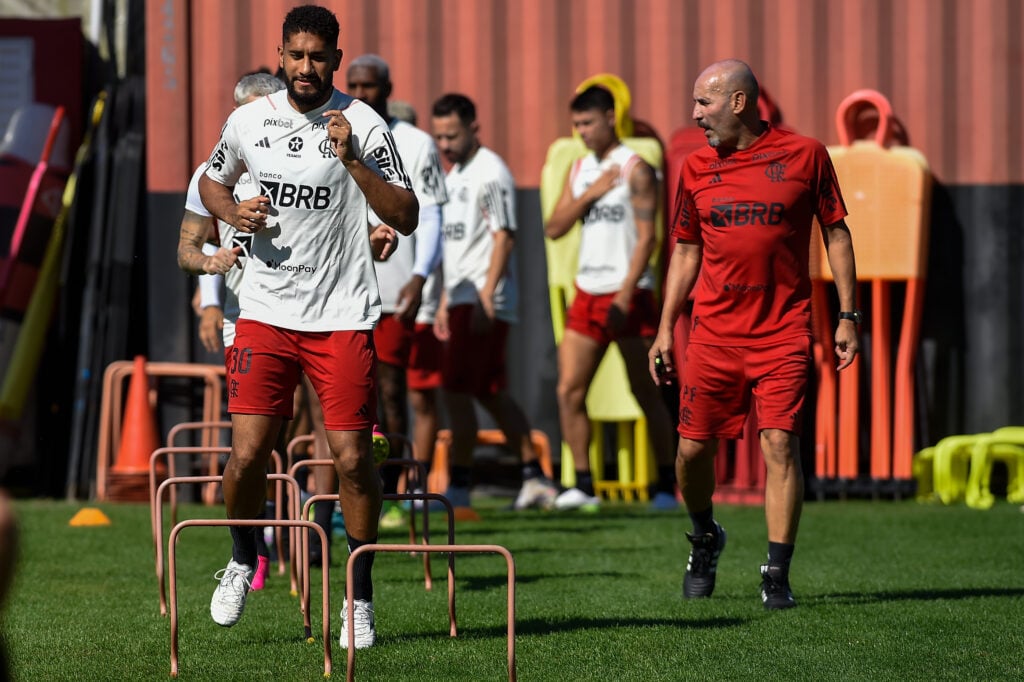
(600, 550)
(915, 595)
(472, 529)
(488, 582)
(547, 627)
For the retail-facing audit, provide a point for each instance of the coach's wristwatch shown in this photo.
(856, 315)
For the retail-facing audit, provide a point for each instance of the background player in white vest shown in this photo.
(409, 355)
(308, 300)
(615, 193)
(479, 300)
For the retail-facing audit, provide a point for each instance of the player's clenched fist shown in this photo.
(339, 132)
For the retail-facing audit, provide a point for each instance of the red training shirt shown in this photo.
(752, 211)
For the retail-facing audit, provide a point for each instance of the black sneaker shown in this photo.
(699, 580)
(775, 592)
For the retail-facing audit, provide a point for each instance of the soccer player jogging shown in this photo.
(309, 298)
(409, 367)
(479, 300)
(615, 193)
(743, 220)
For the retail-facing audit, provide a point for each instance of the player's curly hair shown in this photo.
(318, 21)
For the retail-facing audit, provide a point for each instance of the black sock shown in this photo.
(666, 479)
(585, 481)
(389, 477)
(261, 543)
(243, 545)
(532, 470)
(461, 477)
(780, 554)
(703, 521)
(323, 510)
(362, 567)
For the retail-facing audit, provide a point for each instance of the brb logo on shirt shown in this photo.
(454, 231)
(608, 214)
(287, 195)
(743, 213)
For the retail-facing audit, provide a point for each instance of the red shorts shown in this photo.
(718, 383)
(393, 339)
(424, 370)
(263, 369)
(473, 363)
(588, 315)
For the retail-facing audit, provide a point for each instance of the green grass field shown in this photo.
(886, 591)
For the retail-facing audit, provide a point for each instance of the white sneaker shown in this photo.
(229, 597)
(664, 502)
(574, 498)
(536, 492)
(417, 504)
(362, 617)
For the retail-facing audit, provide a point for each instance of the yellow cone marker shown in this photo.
(89, 516)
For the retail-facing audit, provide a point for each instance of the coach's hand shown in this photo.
(847, 343)
(660, 361)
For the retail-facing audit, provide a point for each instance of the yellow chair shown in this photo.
(923, 471)
(952, 455)
(610, 399)
(1004, 445)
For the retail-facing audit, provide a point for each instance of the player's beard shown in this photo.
(320, 94)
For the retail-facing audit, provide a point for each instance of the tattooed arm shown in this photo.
(195, 231)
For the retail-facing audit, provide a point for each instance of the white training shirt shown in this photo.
(419, 253)
(311, 268)
(481, 201)
(609, 233)
(227, 285)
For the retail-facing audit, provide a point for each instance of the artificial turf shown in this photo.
(886, 590)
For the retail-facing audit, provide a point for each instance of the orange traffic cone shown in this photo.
(129, 477)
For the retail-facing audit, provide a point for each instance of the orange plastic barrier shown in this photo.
(887, 188)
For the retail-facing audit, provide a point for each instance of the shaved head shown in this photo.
(732, 75)
(725, 105)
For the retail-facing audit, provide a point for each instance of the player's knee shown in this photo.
(350, 464)
(571, 396)
(692, 451)
(245, 458)
(780, 447)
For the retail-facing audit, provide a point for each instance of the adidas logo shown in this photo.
(713, 181)
(264, 143)
(362, 412)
